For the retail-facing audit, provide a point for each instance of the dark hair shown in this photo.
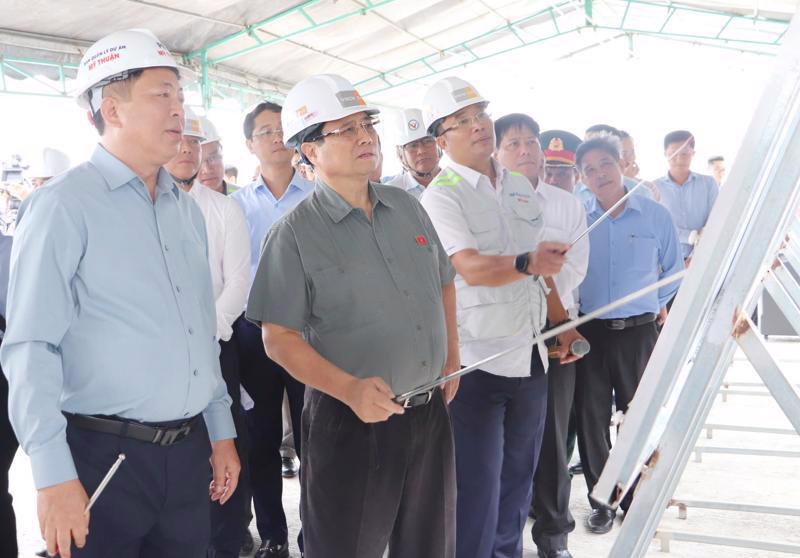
(716, 158)
(232, 170)
(514, 120)
(624, 135)
(603, 144)
(604, 129)
(97, 117)
(250, 118)
(678, 136)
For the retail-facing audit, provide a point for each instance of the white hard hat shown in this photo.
(50, 162)
(410, 127)
(192, 125)
(112, 57)
(316, 100)
(445, 97)
(210, 131)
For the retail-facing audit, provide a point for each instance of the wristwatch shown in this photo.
(521, 263)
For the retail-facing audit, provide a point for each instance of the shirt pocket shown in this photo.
(485, 227)
(644, 253)
(526, 224)
(488, 312)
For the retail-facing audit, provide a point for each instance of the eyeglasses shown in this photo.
(350, 131)
(267, 132)
(468, 121)
(422, 143)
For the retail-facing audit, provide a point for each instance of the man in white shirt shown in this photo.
(491, 225)
(418, 153)
(519, 149)
(229, 260)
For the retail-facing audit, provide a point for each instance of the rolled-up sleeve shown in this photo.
(279, 294)
(47, 251)
(448, 218)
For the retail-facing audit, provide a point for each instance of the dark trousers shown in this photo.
(8, 447)
(266, 381)
(498, 424)
(228, 522)
(552, 482)
(612, 369)
(157, 504)
(366, 486)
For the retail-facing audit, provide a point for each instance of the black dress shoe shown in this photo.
(601, 520)
(272, 550)
(576, 469)
(248, 544)
(289, 467)
(42, 553)
(556, 553)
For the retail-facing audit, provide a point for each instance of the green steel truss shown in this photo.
(624, 17)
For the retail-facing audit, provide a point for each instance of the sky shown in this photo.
(659, 86)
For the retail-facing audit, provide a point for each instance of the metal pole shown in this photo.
(556, 331)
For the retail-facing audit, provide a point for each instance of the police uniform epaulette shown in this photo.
(446, 178)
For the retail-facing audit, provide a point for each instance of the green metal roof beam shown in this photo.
(709, 37)
(461, 64)
(455, 47)
(587, 10)
(713, 36)
(251, 29)
(31, 76)
(281, 38)
(708, 11)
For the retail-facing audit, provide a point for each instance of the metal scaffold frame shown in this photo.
(708, 320)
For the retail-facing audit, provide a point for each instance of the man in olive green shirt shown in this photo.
(355, 297)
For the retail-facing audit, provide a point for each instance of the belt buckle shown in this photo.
(416, 400)
(616, 324)
(169, 436)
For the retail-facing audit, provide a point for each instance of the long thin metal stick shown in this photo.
(606, 214)
(104, 482)
(556, 331)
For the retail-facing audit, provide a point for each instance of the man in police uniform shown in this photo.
(355, 298)
(559, 149)
(518, 149)
(491, 226)
(112, 324)
(418, 153)
(636, 246)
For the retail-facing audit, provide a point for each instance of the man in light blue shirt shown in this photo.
(687, 195)
(278, 189)
(631, 249)
(110, 346)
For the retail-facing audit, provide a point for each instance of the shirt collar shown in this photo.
(593, 207)
(116, 173)
(473, 177)
(337, 207)
(297, 182)
(691, 178)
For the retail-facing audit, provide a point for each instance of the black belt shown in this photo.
(625, 323)
(419, 399)
(160, 435)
